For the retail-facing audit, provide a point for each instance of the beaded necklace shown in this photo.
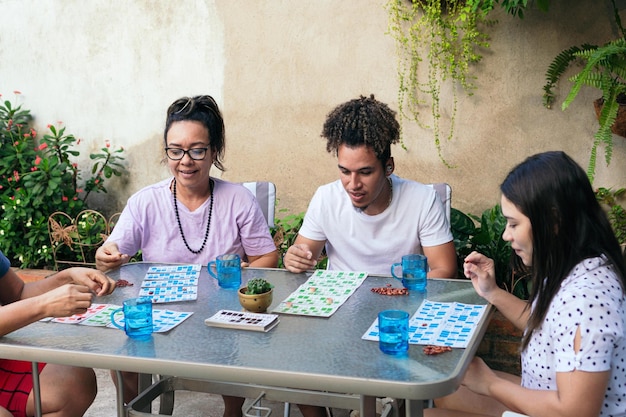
(180, 226)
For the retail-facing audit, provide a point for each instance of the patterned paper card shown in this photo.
(441, 324)
(322, 294)
(171, 283)
(100, 315)
(78, 318)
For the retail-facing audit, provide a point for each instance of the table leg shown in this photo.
(36, 389)
(368, 406)
(414, 408)
(119, 394)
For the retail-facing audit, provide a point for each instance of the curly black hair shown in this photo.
(362, 121)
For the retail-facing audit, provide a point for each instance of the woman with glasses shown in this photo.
(191, 217)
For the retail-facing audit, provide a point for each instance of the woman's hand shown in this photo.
(481, 271)
(109, 257)
(479, 377)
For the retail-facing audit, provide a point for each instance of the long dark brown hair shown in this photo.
(568, 225)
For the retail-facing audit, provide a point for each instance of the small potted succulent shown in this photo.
(256, 296)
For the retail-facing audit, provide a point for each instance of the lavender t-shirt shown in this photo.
(148, 222)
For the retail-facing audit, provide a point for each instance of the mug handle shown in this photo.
(208, 267)
(113, 322)
(393, 267)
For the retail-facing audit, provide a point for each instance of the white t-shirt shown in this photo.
(356, 241)
(148, 222)
(590, 298)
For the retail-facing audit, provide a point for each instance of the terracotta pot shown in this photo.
(619, 127)
(256, 303)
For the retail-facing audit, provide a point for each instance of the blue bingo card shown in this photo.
(171, 283)
(440, 324)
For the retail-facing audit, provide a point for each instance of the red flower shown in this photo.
(64, 198)
(43, 146)
(17, 92)
(78, 141)
(107, 143)
(49, 126)
(16, 175)
(37, 160)
(33, 169)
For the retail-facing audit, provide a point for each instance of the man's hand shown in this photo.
(299, 258)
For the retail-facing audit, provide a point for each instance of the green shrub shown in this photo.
(37, 178)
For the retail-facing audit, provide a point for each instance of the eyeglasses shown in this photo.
(176, 154)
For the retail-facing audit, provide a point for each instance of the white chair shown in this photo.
(445, 194)
(265, 193)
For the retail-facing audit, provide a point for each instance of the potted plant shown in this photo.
(604, 69)
(257, 295)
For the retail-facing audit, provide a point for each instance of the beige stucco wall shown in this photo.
(109, 68)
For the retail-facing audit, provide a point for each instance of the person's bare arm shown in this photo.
(269, 260)
(63, 294)
(441, 260)
(578, 393)
(481, 271)
(303, 255)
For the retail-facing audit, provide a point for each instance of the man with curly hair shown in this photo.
(370, 218)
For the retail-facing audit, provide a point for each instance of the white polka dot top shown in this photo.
(590, 297)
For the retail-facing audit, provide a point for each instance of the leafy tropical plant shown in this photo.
(484, 234)
(258, 286)
(37, 178)
(285, 233)
(446, 35)
(615, 211)
(604, 69)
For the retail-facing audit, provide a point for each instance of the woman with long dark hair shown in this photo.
(573, 348)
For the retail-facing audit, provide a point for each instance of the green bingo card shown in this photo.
(322, 294)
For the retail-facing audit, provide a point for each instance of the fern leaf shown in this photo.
(557, 67)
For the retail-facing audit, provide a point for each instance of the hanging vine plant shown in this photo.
(446, 35)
